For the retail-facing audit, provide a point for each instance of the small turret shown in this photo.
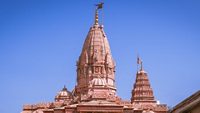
(64, 96)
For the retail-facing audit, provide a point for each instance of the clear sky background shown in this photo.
(40, 41)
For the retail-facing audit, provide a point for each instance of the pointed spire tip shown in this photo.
(96, 17)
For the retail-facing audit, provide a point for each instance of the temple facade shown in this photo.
(95, 90)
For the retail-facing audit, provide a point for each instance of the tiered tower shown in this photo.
(142, 91)
(96, 67)
(142, 99)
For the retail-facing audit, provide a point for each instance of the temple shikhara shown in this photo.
(95, 90)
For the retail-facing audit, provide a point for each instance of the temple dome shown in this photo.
(63, 95)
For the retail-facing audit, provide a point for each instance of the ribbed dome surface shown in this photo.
(64, 94)
(96, 47)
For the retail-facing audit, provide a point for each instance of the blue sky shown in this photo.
(40, 41)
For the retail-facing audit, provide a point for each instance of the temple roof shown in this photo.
(190, 102)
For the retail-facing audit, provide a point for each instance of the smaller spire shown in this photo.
(142, 91)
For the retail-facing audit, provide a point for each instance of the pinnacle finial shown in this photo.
(141, 68)
(98, 6)
(64, 88)
(96, 17)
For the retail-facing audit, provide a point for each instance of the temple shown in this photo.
(95, 90)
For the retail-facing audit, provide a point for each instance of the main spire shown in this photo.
(96, 67)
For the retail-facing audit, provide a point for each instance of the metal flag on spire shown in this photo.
(100, 5)
(139, 62)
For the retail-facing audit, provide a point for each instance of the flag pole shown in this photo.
(100, 6)
(102, 16)
(138, 62)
